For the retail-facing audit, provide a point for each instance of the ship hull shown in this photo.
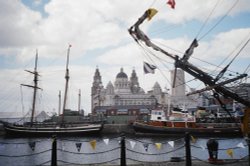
(27, 131)
(145, 128)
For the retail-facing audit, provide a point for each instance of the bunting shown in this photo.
(93, 144)
(150, 13)
(158, 145)
(193, 139)
(106, 141)
(171, 143)
(32, 145)
(132, 144)
(240, 145)
(230, 152)
(78, 146)
(171, 3)
(145, 145)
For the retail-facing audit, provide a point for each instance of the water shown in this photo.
(106, 149)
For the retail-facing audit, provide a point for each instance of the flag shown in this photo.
(241, 145)
(145, 145)
(106, 141)
(190, 50)
(151, 12)
(193, 139)
(230, 152)
(78, 146)
(32, 145)
(158, 145)
(171, 143)
(132, 144)
(93, 144)
(171, 3)
(148, 68)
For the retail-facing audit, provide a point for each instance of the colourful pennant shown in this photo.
(151, 12)
(158, 145)
(171, 143)
(132, 144)
(241, 145)
(32, 145)
(145, 145)
(193, 140)
(106, 141)
(230, 152)
(93, 144)
(78, 146)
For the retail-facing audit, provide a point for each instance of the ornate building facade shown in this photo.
(125, 96)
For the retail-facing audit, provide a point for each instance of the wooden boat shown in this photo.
(48, 129)
(179, 124)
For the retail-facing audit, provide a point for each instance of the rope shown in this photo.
(70, 163)
(203, 25)
(165, 142)
(155, 153)
(88, 153)
(44, 162)
(26, 154)
(218, 21)
(22, 142)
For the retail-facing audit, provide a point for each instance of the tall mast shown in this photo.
(79, 100)
(35, 90)
(59, 105)
(35, 87)
(66, 83)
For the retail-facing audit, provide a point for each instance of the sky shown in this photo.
(98, 33)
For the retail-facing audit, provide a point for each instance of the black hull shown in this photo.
(25, 131)
(150, 129)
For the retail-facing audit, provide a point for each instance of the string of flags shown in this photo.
(158, 145)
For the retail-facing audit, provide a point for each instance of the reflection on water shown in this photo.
(18, 151)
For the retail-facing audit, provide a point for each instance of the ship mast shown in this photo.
(59, 105)
(66, 84)
(79, 100)
(35, 87)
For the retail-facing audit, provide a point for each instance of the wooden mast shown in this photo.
(79, 101)
(35, 87)
(66, 84)
(59, 104)
(35, 90)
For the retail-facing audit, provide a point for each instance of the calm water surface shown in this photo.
(18, 151)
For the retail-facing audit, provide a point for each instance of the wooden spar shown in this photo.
(66, 84)
(216, 85)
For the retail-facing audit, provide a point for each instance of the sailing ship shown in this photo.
(63, 128)
(164, 125)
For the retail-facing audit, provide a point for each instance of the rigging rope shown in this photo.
(203, 25)
(220, 20)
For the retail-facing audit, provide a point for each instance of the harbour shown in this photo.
(186, 100)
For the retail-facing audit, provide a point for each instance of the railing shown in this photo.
(119, 150)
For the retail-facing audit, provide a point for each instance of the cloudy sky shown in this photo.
(97, 31)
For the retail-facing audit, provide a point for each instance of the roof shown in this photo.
(121, 74)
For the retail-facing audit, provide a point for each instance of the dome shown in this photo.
(121, 74)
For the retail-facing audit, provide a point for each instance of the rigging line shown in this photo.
(150, 52)
(236, 54)
(21, 91)
(240, 51)
(210, 14)
(220, 20)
